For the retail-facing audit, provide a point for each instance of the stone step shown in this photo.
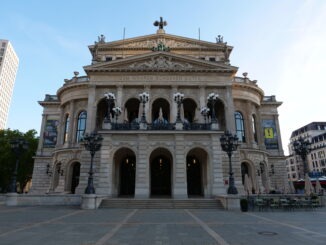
(161, 203)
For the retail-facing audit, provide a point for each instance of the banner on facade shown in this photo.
(50, 134)
(270, 134)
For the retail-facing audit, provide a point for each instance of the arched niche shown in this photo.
(161, 104)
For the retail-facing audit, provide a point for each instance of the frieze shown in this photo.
(161, 62)
(153, 78)
(167, 42)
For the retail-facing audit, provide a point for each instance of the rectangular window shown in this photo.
(109, 58)
(212, 59)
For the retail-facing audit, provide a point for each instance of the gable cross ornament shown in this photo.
(160, 24)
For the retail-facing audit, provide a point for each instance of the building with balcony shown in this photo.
(8, 70)
(315, 133)
(161, 103)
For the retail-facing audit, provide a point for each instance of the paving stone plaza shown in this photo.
(71, 225)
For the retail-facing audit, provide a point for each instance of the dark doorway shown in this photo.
(244, 171)
(75, 177)
(161, 176)
(194, 180)
(127, 176)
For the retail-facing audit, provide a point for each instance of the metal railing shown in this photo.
(161, 126)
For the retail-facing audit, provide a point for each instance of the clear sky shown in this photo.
(282, 44)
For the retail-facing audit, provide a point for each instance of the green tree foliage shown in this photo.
(8, 158)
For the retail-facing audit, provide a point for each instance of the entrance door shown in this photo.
(75, 177)
(194, 180)
(161, 176)
(127, 176)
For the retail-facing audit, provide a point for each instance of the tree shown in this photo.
(8, 158)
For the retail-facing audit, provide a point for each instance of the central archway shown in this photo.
(161, 173)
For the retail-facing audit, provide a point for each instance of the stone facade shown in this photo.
(158, 157)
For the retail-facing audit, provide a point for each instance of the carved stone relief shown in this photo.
(161, 63)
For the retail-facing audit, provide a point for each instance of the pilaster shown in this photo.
(180, 171)
(142, 189)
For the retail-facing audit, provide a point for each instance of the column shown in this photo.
(174, 111)
(229, 110)
(72, 122)
(91, 109)
(279, 140)
(202, 102)
(61, 126)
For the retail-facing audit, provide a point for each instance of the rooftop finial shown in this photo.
(160, 25)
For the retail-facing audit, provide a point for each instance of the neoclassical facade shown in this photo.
(161, 103)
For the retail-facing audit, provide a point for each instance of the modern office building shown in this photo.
(161, 103)
(8, 70)
(315, 133)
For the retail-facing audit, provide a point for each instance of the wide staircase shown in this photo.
(161, 203)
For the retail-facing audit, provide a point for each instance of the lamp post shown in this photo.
(302, 147)
(144, 97)
(92, 143)
(204, 111)
(229, 144)
(18, 146)
(117, 112)
(212, 98)
(178, 98)
(110, 97)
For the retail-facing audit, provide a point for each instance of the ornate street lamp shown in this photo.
(144, 97)
(229, 144)
(92, 143)
(18, 146)
(117, 112)
(178, 98)
(110, 98)
(204, 111)
(212, 98)
(302, 147)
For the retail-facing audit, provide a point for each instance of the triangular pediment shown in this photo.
(161, 61)
(171, 41)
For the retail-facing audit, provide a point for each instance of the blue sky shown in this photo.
(279, 43)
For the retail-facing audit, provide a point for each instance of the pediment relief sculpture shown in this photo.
(166, 42)
(161, 62)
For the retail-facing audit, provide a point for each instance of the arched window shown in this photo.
(66, 131)
(81, 125)
(254, 127)
(239, 126)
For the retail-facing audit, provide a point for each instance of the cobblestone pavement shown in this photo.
(71, 225)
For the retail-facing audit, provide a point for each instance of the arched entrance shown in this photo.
(75, 177)
(196, 172)
(125, 172)
(127, 176)
(160, 173)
